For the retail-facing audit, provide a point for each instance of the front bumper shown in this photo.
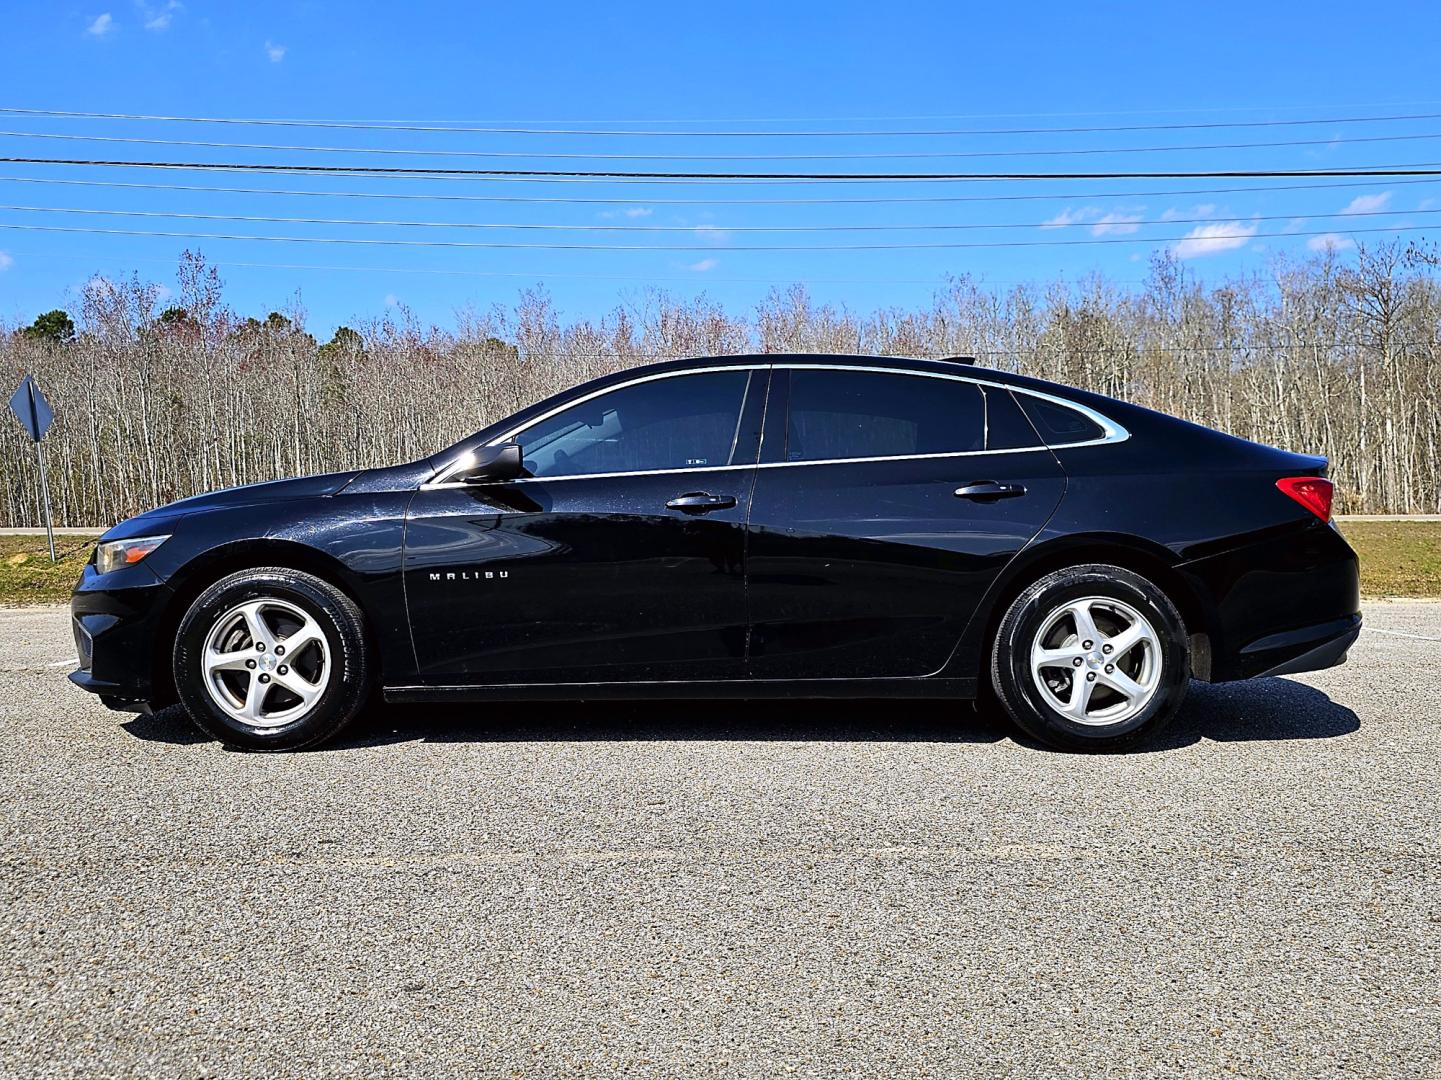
(116, 621)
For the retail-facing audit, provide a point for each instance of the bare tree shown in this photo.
(1327, 355)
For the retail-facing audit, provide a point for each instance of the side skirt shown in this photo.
(735, 688)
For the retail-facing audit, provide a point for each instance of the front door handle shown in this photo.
(700, 502)
(989, 489)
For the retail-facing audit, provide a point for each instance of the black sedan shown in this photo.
(748, 526)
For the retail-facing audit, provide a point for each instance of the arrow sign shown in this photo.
(35, 415)
(33, 411)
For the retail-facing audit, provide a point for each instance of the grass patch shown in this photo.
(1398, 558)
(27, 576)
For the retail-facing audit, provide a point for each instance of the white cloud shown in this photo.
(704, 265)
(1213, 238)
(391, 300)
(1330, 242)
(1367, 204)
(1200, 210)
(275, 52)
(629, 211)
(1116, 223)
(157, 16)
(101, 25)
(6, 260)
(1071, 217)
(712, 234)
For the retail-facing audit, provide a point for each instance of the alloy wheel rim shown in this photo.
(266, 663)
(1096, 661)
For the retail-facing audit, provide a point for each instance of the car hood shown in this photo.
(300, 487)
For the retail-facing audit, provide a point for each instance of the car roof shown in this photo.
(950, 365)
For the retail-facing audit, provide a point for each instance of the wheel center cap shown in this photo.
(267, 662)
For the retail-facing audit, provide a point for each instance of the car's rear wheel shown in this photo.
(1091, 657)
(272, 659)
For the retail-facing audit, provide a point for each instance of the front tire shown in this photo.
(1091, 657)
(272, 659)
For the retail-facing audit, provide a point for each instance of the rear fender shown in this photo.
(1050, 552)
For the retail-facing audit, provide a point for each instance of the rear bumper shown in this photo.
(1287, 601)
(1310, 649)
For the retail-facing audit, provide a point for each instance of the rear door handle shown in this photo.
(700, 502)
(989, 489)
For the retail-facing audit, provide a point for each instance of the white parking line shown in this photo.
(63, 663)
(1398, 633)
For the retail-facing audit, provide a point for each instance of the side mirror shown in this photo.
(491, 463)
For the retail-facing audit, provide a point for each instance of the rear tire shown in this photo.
(272, 659)
(1092, 657)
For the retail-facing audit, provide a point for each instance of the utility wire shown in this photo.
(694, 277)
(1426, 168)
(1115, 224)
(545, 154)
(582, 200)
(710, 248)
(1222, 109)
(459, 127)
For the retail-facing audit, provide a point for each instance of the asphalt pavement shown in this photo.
(728, 889)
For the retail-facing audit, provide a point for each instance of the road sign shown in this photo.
(36, 416)
(34, 412)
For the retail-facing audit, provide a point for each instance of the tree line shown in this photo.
(1333, 354)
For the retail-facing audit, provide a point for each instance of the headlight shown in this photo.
(118, 553)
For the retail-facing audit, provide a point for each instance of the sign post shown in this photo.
(35, 416)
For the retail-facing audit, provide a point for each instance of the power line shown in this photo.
(459, 127)
(582, 200)
(1038, 347)
(1427, 168)
(889, 155)
(1116, 224)
(695, 277)
(709, 248)
(1190, 110)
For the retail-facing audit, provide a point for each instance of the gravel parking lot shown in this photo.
(728, 889)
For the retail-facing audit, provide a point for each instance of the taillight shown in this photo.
(1312, 492)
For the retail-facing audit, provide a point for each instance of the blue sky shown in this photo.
(836, 66)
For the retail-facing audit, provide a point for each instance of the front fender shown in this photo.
(353, 541)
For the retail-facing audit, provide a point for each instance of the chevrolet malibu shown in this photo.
(745, 526)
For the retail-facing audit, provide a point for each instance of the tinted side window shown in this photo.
(1058, 424)
(850, 414)
(1006, 426)
(684, 422)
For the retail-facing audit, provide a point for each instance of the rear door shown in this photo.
(885, 504)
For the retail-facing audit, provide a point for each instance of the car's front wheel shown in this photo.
(271, 659)
(1091, 657)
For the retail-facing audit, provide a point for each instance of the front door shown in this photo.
(885, 506)
(621, 557)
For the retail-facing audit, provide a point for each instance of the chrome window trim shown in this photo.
(1112, 432)
(434, 484)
